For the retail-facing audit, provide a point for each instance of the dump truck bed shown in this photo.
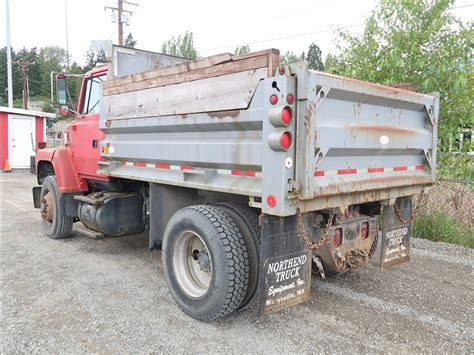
(210, 125)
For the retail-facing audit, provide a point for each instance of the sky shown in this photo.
(218, 26)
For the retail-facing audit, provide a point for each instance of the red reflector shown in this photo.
(273, 99)
(346, 171)
(400, 168)
(290, 98)
(375, 170)
(285, 140)
(243, 173)
(364, 230)
(271, 201)
(419, 167)
(337, 237)
(319, 173)
(286, 116)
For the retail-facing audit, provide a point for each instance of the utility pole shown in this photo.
(120, 22)
(23, 65)
(121, 19)
(9, 57)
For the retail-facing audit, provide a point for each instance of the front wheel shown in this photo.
(56, 223)
(205, 262)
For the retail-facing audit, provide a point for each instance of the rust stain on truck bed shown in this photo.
(381, 129)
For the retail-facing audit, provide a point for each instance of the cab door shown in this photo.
(84, 134)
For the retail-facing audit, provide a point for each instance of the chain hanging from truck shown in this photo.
(306, 238)
(419, 203)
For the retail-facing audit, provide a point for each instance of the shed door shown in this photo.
(21, 141)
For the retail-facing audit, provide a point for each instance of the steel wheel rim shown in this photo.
(192, 264)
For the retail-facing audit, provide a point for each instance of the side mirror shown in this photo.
(41, 145)
(61, 89)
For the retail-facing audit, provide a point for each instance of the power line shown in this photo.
(460, 7)
(308, 33)
(289, 36)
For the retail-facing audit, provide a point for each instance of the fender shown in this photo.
(66, 175)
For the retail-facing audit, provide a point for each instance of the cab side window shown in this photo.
(92, 95)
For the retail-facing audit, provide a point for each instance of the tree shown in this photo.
(182, 46)
(290, 57)
(313, 58)
(242, 49)
(94, 56)
(129, 41)
(51, 59)
(332, 64)
(422, 43)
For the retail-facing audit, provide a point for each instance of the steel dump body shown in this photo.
(211, 129)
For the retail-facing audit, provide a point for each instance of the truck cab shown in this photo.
(74, 162)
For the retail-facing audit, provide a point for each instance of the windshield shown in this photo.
(92, 95)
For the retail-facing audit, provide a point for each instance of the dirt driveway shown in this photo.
(109, 295)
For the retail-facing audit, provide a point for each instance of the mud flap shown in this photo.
(285, 265)
(37, 196)
(395, 234)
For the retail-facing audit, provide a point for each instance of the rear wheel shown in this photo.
(247, 221)
(205, 262)
(56, 223)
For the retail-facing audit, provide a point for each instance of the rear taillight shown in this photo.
(285, 140)
(364, 230)
(286, 116)
(337, 237)
(279, 141)
(280, 116)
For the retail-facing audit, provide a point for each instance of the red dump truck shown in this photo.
(247, 174)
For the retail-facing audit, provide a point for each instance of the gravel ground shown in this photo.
(110, 295)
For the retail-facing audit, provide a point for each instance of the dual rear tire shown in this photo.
(210, 259)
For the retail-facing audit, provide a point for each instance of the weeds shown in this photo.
(441, 228)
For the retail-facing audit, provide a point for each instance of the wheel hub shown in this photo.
(202, 258)
(47, 207)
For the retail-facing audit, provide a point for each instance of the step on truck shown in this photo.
(249, 175)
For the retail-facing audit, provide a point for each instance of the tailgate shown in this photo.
(363, 137)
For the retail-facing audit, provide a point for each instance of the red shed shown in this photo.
(20, 132)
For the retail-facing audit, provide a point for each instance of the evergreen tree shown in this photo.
(129, 41)
(313, 58)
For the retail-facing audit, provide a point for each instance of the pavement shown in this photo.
(110, 296)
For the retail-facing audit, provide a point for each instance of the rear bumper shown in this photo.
(353, 250)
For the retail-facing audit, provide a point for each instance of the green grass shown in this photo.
(440, 228)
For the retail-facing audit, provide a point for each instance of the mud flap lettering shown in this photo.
(396, 235)
(285, 265)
